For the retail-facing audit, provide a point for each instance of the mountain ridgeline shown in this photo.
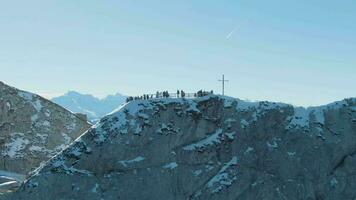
(93, 107)
(208, 148)
(32, 130)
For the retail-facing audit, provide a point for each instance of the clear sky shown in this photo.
(296, 51)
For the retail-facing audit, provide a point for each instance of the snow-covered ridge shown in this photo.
(209, 147)
(302, 115)
(125, 119)
(33, 129)
(300, 118)
(20, 141)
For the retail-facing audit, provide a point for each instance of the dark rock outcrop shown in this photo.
(207, 148)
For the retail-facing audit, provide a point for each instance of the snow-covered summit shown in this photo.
(213, 147)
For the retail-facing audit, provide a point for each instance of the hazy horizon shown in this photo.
(121, 94)
(294, 52)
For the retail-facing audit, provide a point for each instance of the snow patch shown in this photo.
(210, 140)
(290, 154)
(167, 129)
(46, 123)
(34, 118)
(213, 139)
(36, 148)
(58, 165)
(95, 188)
(25, 95)
(171, 166)
(8, 105)
(125, 163)
(273, 144)
(248, 150)
(197, 172)
(143, 115)
(243, 106)
(29, 97)
(353, 108)
(193, 107)
(244, 124)
(138, 130)
(66, 141)
(228, 102)
(333, 182)
(18, 143)
(231, 135)
(302, 116)
(48, 113)
(224, 177)
(37, 105)
(115, 122)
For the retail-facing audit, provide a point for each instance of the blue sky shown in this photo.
(295, 51)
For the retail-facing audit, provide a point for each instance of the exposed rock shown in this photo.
(32, 130)
(208, 148)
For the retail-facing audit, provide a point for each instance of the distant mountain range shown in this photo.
(93, 107)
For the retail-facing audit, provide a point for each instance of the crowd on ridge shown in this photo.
(166, 94)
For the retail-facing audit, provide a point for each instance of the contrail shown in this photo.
(236, 28)
(231, 33)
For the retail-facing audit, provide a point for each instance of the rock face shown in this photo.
(207, 148)
(32, 130)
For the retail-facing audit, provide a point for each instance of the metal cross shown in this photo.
(223, 84)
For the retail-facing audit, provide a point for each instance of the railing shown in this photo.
(171, 95)
(174, 95)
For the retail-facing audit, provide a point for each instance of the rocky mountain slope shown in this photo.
(93, 107)
(207, 148)
(32, 130)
